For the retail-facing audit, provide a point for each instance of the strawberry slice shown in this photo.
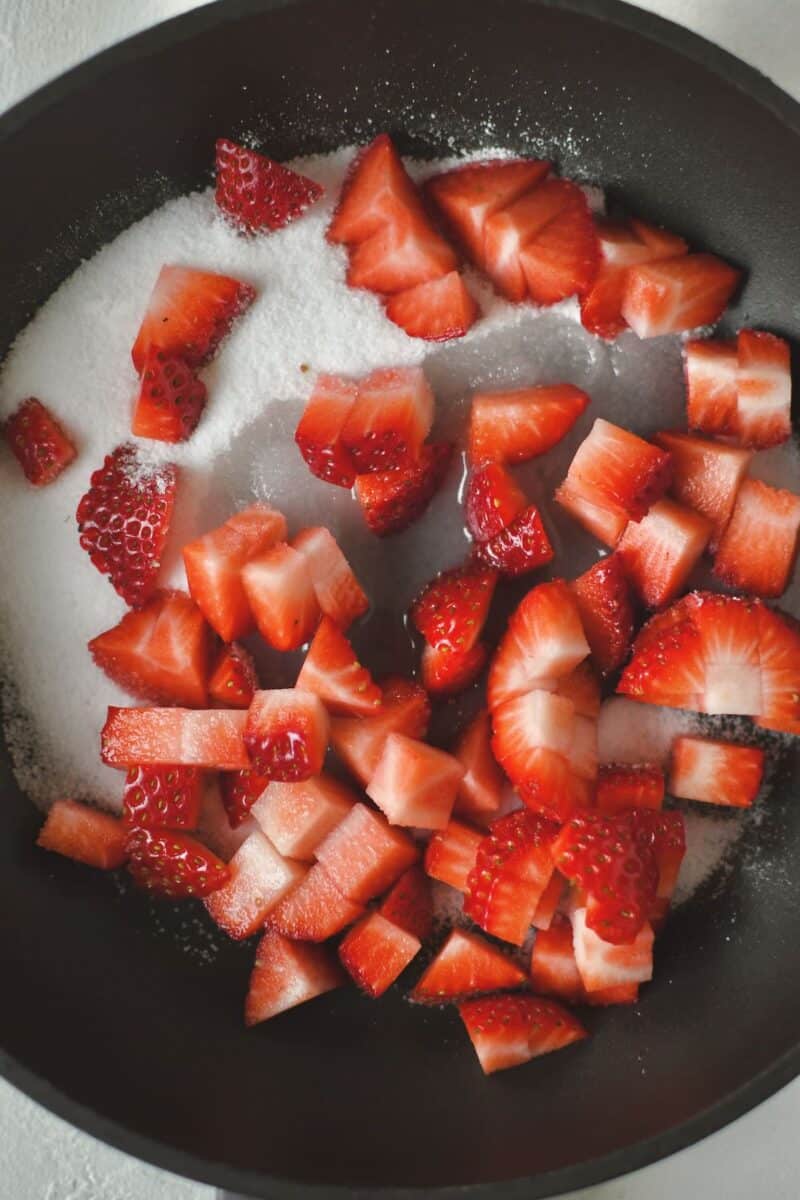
(621, 247)
(522, 547)
(511, 427)
(359, 741)
(437, 311)
(492, 501)
(210, 738)
(468, 195)
(331, 671)
(256, 193)
(603, 965)
(162, 797)
(666, 833)
(409, 904)
(465, 966)
(764, 390)
(173, 864)
(715, 772)
(544, 640)
(623, 786)
(375, 952)
(259, 879)
(711, 369)
(400, 256)
(779, 659)
(414, 784)
(512, 869)
(393, 500)
(363, 856)
(338, 592)
(297, 817)
(661, 551)
(554, 971)
(451, 854)
(123, 521)
(170, 402)
(37, 441)
(452, 609)
(390, 420)
(160, 652)
(533, 721)
(563, 258)
(314, 910)
(729, 631)
(667, 667)
(286, 974)
(239, 791)
(480, 791)
(619, 471)
(445, 673)
(84, 834)
(507, 1031)
(188, 314)
(677, 294)
(214, 564)
(581, 687)
(757, 551)
(606, 608)
(233, 679)
(552, 786)
(706, 476)
(286, 734)
(281, 596)
(319, 431)
(377, 192)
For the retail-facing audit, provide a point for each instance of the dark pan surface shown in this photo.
(101, 1017)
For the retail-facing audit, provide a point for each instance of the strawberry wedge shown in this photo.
(678, 294)
(511, 427)
(437, 311)
(468, 195)
(188, 314)
(622, 246)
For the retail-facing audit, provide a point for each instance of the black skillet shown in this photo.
(101, 1018)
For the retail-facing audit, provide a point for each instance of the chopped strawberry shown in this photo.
(170, 402)
(332, 672)
(375, 952)
(492, 501)
(239, 791)
(39, 444)
(84, 834)
(188, 314)
(533, 721)
(359, 741)
(259, 879)
(214, 828)
(437, 311)
(314, 910)
(160, 652)
(214, 565)
(445, 673)
(711, 369)
(209, 738)
(364, 856)
(553, 787)
(400, 256)
(604, 523)
(661, 551)
(452, 609)
(466, 966)
(678, 294)
(764, 390)
(233, 679)
(451, 854)
(377, 192)
(520, 548)
(606, 607)
(415, 784)
(174, 864)
(757, 551)
(544, 640)
(507, 1031)
(286, 734)
(666, 833)
(393, 500)
(162, 797)
(623, 786)
(667, 667)
(256, 193)
(409, 904)
(779, 659)
(123, 521)
(554, 971)
(319, 431)
(468, 195)
(280, 592)
(286, 974)
(480, 791)
(511, 427)
(512, 870)
(581, 687)
(729, 631)
(550, 902)
(715, 772)
(390, 420)
(706, 476)
(603, 965)
(338, 592)
(621, 247)
(297, 817)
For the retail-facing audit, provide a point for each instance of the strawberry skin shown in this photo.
(606, 607)
(466, 966)
(390, 420)
(522, 547)
(162, 797)
(170, 402)
(437, 311)
(239, 792)
(758, 549)
(452, 609)
(409, 904)
(319, 431)
(233, 679)
(286, 734)
(393, 500)
(512, 869)
(375, 952)
(332, 672)
(716, 772)
(512, 427)
(85, 835)
(256, 193)
(507, 1031)
(173, 864)
(39, 444)
(492, 501)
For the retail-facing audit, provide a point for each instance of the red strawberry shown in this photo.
(603, 965)
(359, 741)
(400, 256)
(214, 567)
(339, 594)
(375, 952)
(468, 195)
(415, 784)
(678, 294)
(666, 833)
(437, 311)
(554, 971)
(623, 786)
(465, 966)
(280, 592)
(603, 522)
(729, 632)
(619, 471)
(492, 501)
(451, 854)
(160, 652)
(550, 902)
(210, 738)
(564, 257)
(512, 869)
(536, 720)
(480, 791)
(544, 641)
(711, 370)
(332, 672)
(716, 772)
(605, 604)
(390, 420)
(123, 521)
(507, 1031)
(314, 910)
(621, 247)
(162, 797)
(286, 974)
(661, 551)
(445, 673)
(363, 855)
(286, 734)
(452, 609)
(188, 314)
(706, 476)
(319, 431)
(553, 787)
(779, 659)
(409, 904)
(764, 390)
(39, 444)
(257, 193)
(259, 879)
(233, 679)
(377, 192)
(239, 791)
(84, 834)
(170, 402)
(174, 864)
(297, 817)
(520, 548)
(393, 500)
(511, 427)
(757, 551)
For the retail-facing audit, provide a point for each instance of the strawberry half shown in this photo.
(332, 672)
(716, 772)
(233, 679)
(492, 500)
(209, 738)
(170, 402)
(706, 476)
(480, 791)
(84, 834)
(452, 609)
(606, 608)
(286, 974)
(375, 952)
(468, 195)
(522, 547)
(415, 784)
(512, 869)
(757, 551)
(390, 420)
(544, 641)
(437, 310)
(677, 294)
(465, 966)
(162, 797)
(286, 734)
(280, 592)
(174, 864)
(339, 594)
(507, 1031)
(319, 431)
(409, 904)
(239, 792)
(660, 552)
(623, 786)
(554, 971)
(37, 441)
(512, 427)
(711, 369)
(297, 817)
(393, 500)
(451, 854)
(256, 193)
(563, 258)
(359, 741)
(763, 390)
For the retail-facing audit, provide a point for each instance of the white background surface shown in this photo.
(41, 1158)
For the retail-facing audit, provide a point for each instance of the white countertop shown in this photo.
(41, 1158)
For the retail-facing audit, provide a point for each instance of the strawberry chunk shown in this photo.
(452, 609)
(667, 667)
(706, 476)
(123, 521)
(375, 952)
(522, 547)
(170, 402)
(492, 501)
(468, 195)
(188, 314)
(711, 369)
(359, 741)
(466, 966)
(173, 864)
(544, 640)
(377, 192)
(623, 786)
(297, 817)
(677, 294)
(779, 661)
(239, 791)
(281, 596)
(400, 256)
(512, 869)
(37, 441)
(552, 786)
(511, 427)
(606, 608)
(530, 722)
(564, 257)
(287, 974)
(550, 902)
(715, 772)
(314, 910)
(363, 856)
(603, 965)
(210, 738)
(445, 673)
(332, 672)
(764, 390)
(507, 1031)
(338, 592)
(319, 431)
(415, 784)
(621, 247)
(84, 834)
(390, 420)
(661, 551)
(393, 500)
(438, 310)
(255, 193)
(409, 904)
(451, 854)
(554, 971)
(233, 681)
(757, 551)
(603, 522)
(162, 797)
(480, 791)
(259, 879)
(215, 828)
(286, 734)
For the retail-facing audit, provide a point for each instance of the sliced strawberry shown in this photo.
(173, 864)
(409, 904)
(468, 195)
(256, 193)
(233, 679)
(214, 828)
(466, 966)
(414, 784)
(437, 311)
(550, 902)
(338, 592)
(716, 772)
(536, 720)
(552, 787)
(211, 738)
(375, 952)
(729, 632)
(507, 1031)
(522, 547)
(377, 192)
(621, 247)
(445, 673)
(331, 671)
(512, 869)
(259, 879)
(667, 667)
(779, 658)
(319, 431)
(619, 471)
(297, 817)
(452, 609)
(286, 974)
(37, 441)
(677, 294)
(170, 402)
(390, 420)
(581, 687)
(359, 741)
(706, 476)
(764, 390)
(511, 427)
(544, 640)
(606, 607)
(711, 369)
(603, 965)
(280, 592)
(451, 854)
(188, 314)
(84, 834)
(563, 259)
(314, 910)
(162, 797)
(400, 256)
(666, 833)
(364, 856)
(757, 551)
(623, 786)
(480, 791)
(123, 521)
(393, 500)
(239, 791)
(660, 552)
(606, 524)
(492, 501)
(286, 734)
(160, 652)
(554, 971)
